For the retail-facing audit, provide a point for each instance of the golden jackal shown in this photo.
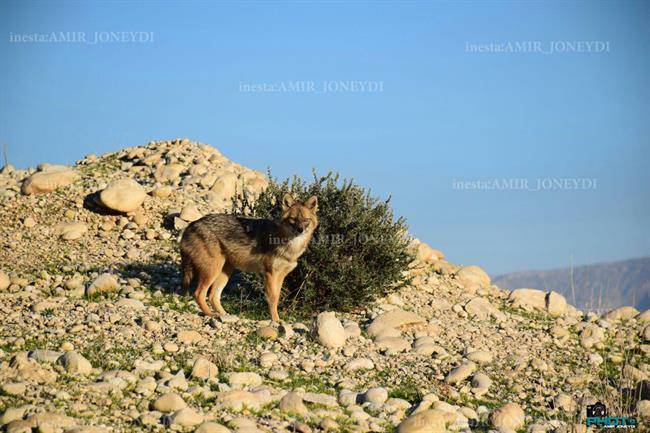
(215, 245)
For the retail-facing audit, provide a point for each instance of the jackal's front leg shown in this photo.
(272, 287)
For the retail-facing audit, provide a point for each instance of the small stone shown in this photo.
(169, 172)
(267, 332)
(204, 369)
(237, 400)
(133, 304)
(13, 414)
(481, 384)
(152, 326)
(376, 396)
(75, 363)
(328, 330)
(621, 313)
(242, 380)
(509, 416)
(105, 283)
(162, 192)
(186, 417)
(393, 319)
(300, 427)
(169, 403)
(564, 402)
(66, 346)
(392, 345)
(71, 232)
(29, 222)
(188, 337)
(5, 282)
(322, 399)
(428, 421)
(461, 372)
(14, 388)
(480, 357)
(643, 409)
(211, 427)
(292, 403)
(190, 213)
(359, 364)
(328, 424)
(267, 359)
(170, 347)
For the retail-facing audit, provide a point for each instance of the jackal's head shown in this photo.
(300, 216)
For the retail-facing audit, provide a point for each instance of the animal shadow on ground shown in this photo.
(240, 297)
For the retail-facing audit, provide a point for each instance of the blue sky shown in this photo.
(446, 114)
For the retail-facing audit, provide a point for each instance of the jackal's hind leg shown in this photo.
(217, 288)
(207, 276)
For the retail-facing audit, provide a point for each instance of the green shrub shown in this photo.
(358, 252)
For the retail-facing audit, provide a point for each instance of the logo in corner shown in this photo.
(597, 417)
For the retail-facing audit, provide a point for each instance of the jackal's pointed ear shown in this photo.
(287, 201)
(312, 203)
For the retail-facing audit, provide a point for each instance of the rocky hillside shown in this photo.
(598, 287)
(95, 336)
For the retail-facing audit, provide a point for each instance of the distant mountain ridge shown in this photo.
(596, 287)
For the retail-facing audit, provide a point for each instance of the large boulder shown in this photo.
(556, 304)
(169, 172)
(225, 186)
(125, 195)
(473, 277)
(424, 252)
(49, 179)
(528, 299)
